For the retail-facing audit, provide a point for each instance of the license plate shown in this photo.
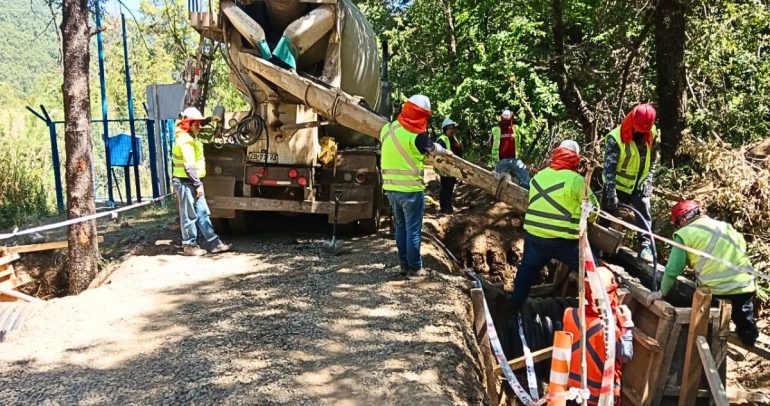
(263, 156)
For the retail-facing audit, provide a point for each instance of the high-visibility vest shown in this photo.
(596, 354)
(445, 139)
(560, 362)
(496, 134)
(401, 161)
(553, 212)
(627, 173)
(720, 240)
(182, 141)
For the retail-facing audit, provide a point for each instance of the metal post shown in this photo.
(54, 157)
(167, 128)
(135, 146)
(103, 89)
(153, 157)
(127, 180)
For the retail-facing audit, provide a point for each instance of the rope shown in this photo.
(77, 220)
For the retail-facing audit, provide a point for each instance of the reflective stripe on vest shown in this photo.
(547, 215)
(594, 361)
(182, 139)
(717, 239)
(401, 170)
(627, 172)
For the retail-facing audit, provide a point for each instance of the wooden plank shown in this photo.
(54, 245)
(9, 295)
(482, 337)
(734, 396)
(646, 341)
(733, 339)
(520, 362)
(712, 373)
(721, 332)
(668, 357)
(7, 259)
(691, 371)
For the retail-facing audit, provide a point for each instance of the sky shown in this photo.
(113, 6)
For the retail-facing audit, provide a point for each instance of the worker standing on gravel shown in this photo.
(189, 167)
(448, 141)
(597, 353)
(721, 240)
(551, 223)
(628, 171)
(404, 144)
(505, 146)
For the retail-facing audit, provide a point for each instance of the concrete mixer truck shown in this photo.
(282, 155)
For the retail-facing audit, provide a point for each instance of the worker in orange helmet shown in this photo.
(628, 170)
(596, 353)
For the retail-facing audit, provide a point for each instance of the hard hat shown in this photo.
(643, 117)
(506, 114)
(682, 208)
(421, 101)
(191, 113)
(570, 145)
(447, 122)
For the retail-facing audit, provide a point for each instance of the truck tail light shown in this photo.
(293, 173)
(302, 181)
(360, 177)
(254, 179)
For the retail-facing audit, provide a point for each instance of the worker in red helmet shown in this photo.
(628, 171)
(720, 240)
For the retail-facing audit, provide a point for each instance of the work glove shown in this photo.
(625, 315)
(439, 150)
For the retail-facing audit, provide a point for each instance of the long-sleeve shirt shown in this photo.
(677, 260)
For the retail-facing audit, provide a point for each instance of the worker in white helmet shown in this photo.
(448, 140)
(404, 145)
(505, 146)
(189, 168)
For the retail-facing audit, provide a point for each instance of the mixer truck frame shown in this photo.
(282, 155)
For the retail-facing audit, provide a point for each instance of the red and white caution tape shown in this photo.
(531, 377)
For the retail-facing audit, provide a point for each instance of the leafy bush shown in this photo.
(22, 186)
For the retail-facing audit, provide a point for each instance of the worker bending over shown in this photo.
(189, 167)
(404, 143)
(448, 140)
(719, 239)
(505, 145)
(551, 223)
(596, 353)
(628, 157)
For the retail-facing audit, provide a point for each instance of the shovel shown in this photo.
(334, 246)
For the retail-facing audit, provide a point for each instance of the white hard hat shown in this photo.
(447, 122)
(193, 114)
(570, 145)
(420, 100)
(507, 114)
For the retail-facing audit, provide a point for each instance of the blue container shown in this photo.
(120, 150)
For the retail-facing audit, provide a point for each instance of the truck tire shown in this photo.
(241, 223)
(220, 225)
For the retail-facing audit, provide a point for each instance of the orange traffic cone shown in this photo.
(560, 359)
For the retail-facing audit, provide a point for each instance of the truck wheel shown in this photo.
(220, 225)
(371, 225)
(241, 223)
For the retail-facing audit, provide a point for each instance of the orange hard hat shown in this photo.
(682, 208)
(643, 117)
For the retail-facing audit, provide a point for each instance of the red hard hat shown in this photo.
(682, 208)
(643, 117)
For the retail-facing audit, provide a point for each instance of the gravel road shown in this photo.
(275, 322)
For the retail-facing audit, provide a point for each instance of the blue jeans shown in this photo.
(538, 252)
(193, 214)
(408, 208)
(517, 169)
(743, 316)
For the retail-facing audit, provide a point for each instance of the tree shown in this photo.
(669, 55)
(83, 248)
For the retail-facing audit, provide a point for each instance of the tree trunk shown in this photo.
(568, 90)
(83, 249)
(671, 81)
(451, 37)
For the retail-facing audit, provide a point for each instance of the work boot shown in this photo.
(645, 254)
(220, 247)
(193, 251)
(417, 274)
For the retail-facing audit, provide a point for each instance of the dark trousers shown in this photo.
(640, 204)
(446, 193)
(743, 316)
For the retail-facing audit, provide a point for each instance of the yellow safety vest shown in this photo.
(627, 172)
(445, 139)
(402, 164)
(553, 212)
(720, 240)
(187, 145)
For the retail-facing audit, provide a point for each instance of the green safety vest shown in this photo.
(445, 139)
(184, 142)
(627, 172)
(496, 134)
(720, 240)
(552, 211)
(402, 164)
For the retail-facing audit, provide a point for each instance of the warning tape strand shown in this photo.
(76, 220)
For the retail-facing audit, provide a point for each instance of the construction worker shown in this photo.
(551, 223)
(404, 143)
(447, 140)
(505, 145)
(719, 239)
(189, 167)
(628, 172)
(596, 353)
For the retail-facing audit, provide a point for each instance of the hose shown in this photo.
(652, 246)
